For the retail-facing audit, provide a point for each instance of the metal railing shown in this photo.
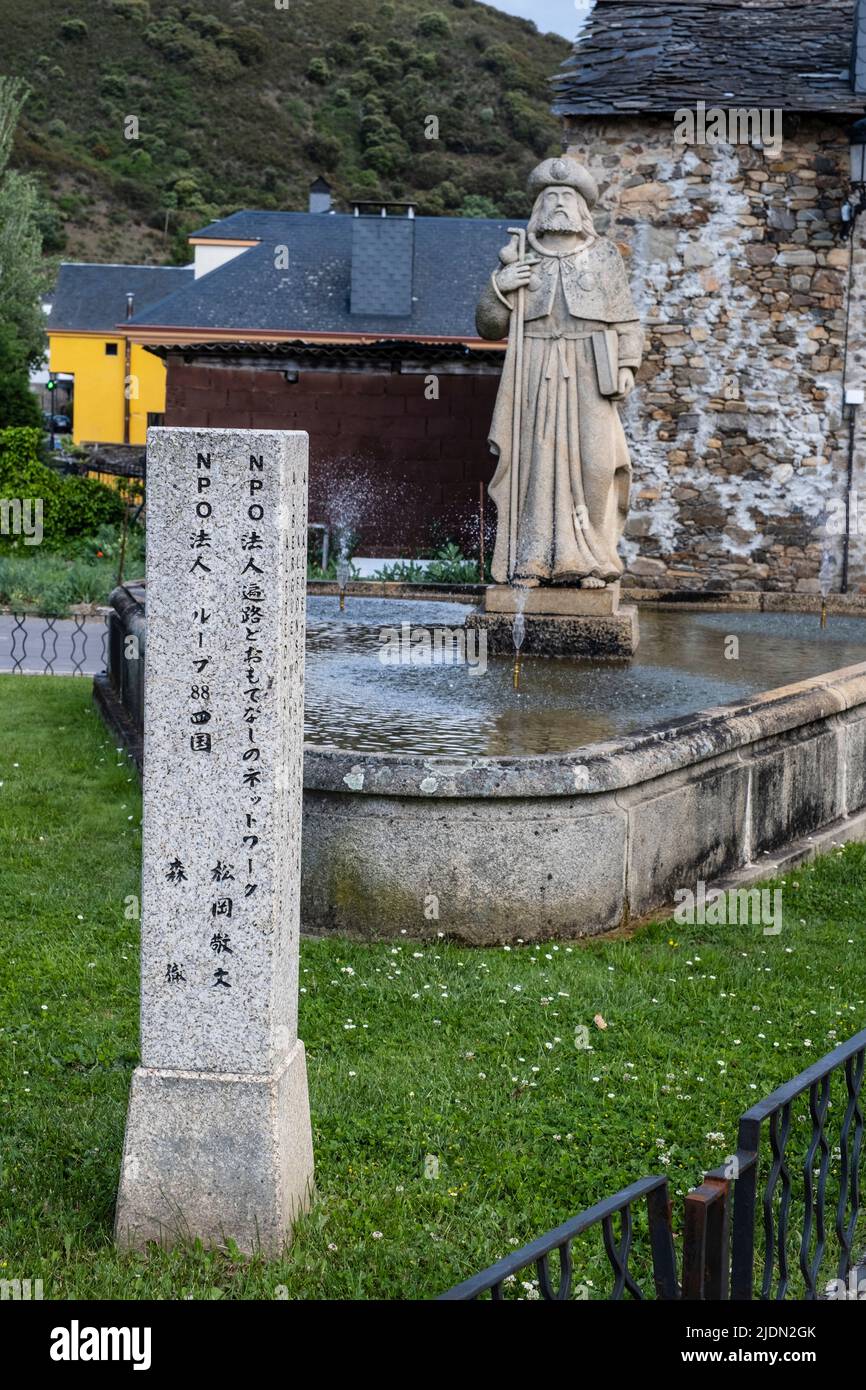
(764, 1156)
(843, 1067)
(617, 1249)
(34, 645)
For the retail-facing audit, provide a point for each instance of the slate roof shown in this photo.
(789, 54)
(453, 258)
(92, 298)
(384, 354)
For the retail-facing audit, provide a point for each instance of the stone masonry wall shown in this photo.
(739, 263)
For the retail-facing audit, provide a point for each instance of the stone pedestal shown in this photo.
(552, 601)
(559, 621)
(218, 1140)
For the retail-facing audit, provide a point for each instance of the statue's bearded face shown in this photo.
(561, 211)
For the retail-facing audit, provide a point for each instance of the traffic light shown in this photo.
(52, 384)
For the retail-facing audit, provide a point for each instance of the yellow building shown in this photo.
(119, 387)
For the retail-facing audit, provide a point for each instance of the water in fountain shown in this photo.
(455, 706)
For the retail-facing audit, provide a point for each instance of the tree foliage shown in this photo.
(24, 275)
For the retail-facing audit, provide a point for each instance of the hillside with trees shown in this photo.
(146, 119)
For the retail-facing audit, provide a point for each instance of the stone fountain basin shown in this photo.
(492, 850)
(565, 843)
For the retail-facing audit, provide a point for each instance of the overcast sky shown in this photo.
(557, 16)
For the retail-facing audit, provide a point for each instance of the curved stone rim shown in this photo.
(593, 768)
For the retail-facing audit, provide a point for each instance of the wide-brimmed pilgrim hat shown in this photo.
(564, 172)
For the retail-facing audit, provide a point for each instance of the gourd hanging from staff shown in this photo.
(561, 297)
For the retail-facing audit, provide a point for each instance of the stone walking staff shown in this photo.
(517, 322)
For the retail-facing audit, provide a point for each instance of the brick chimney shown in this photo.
(320, 196)
(383, 259)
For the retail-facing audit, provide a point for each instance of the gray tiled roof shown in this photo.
(788, 54)
(453, 258)
(92, 298)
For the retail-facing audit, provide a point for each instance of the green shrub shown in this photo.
(376, 129)
(172, 40)
(249, 44)
(341, 53)
(87, 505)
(324, 150)
(318, 71)
(105, 544)
(514, 200)
(474, 205)
(386, 159)
(74, 29)
(138, 10)
(206, 24)
(18, 405)
(434, 25)
(450, 194)
(501, 59)
(361, 82)
(113, 84)
(402, 572)
(187, 191)
(527, 124)
(71, 506)
(50, 584)
(449, 566)
(220, 64)
(428, 63)
(385, 70)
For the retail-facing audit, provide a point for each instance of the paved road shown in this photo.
(52, 646)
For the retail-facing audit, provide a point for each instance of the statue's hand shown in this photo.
(625, 383)
(514, 277)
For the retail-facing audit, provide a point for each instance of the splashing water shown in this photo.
(827, 572)
(518, 630)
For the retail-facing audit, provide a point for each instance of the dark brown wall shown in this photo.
(401, 471)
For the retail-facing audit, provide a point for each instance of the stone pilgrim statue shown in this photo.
(575, 342)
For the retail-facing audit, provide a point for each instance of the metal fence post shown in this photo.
(706, 1241)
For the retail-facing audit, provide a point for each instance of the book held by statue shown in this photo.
(605, 346)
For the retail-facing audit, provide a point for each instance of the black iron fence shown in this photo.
(504, 1276)
(35, 645)
(764, 1225)
(800, 1227)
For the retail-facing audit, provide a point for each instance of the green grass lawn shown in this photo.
(416, 1052)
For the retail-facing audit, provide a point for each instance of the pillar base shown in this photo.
(602, 637)
(214, 1157)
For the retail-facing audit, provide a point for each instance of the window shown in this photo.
(111, 349)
